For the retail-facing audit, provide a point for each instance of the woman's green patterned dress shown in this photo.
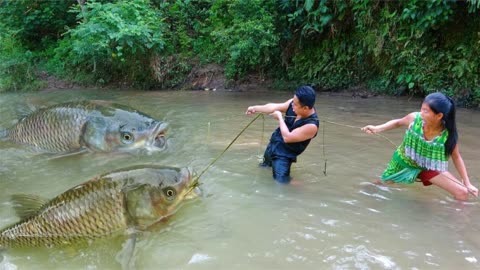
(416, 154)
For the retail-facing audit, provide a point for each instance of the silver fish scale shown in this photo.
(53, 130)
(92, 210)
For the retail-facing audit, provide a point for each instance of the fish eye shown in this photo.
(169, 193)
(127, 137)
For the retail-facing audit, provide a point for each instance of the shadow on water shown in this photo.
(246, 220)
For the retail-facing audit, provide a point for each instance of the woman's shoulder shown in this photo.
(415, 115)
(415, 118)
(408, 119)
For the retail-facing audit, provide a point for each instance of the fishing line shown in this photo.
(323, 147)
(324, 156)
(461, 184)
(343, 125)
(261, 138)
(323, 144)
(228, 146)
(355, 127)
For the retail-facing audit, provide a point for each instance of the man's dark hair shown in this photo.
(306, 95)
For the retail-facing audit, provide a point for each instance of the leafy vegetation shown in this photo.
(242, 34)
(16, 64)
(397, 47)
(114, 42)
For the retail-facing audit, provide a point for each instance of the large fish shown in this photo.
(131, 199)
(98, 126)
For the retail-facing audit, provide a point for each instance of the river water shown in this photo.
(245, 220)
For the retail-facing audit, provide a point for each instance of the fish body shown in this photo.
(135, 198)
(98, 126)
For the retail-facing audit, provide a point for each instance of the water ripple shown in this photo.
(360, 257)
(374, 195)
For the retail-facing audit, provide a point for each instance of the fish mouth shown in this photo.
(193, 188)
(159, 141)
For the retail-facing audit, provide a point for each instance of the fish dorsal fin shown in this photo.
(27, 205)
(25, 110)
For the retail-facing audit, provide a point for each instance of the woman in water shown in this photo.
(429, 141)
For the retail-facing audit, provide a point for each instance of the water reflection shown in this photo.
(337, 221)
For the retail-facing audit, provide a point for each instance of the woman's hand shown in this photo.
(472, 189)
(370, 129)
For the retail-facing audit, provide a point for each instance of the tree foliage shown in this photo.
(399, 47)
(38, 23)
(16, 64)
(240, 34)
(411, 46)
(115, 41)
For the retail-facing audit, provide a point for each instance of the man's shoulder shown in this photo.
(313, 119)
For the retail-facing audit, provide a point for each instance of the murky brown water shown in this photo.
(246, 220)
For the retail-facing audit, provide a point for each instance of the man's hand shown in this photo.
(277, 115)
(250, 110)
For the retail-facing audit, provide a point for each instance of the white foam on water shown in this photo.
(5, 264)
(198, 258)
(471, 259)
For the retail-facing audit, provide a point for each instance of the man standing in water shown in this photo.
(294, 133)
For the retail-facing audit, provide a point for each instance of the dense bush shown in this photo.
(37, 23)
(399, 47)
(412, 47)
(16, 64)
(114, 42)
(240, 34)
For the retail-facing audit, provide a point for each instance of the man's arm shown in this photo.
(300, 134)
(269, 107)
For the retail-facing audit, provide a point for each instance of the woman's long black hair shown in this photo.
(440, 103)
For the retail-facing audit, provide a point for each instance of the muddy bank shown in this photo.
(211, 77)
